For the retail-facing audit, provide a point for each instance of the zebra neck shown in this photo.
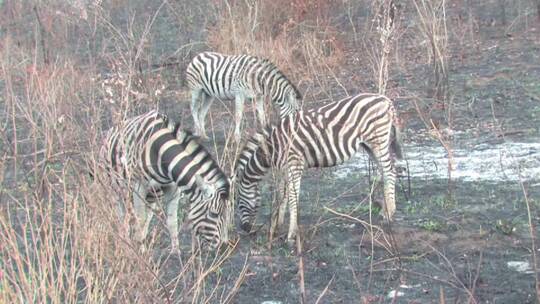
(274, 84)
(194, 193)
(254, 165)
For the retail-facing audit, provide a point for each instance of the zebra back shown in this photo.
(222, 76)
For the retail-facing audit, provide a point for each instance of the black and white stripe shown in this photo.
(212, 75)
(158, 160)
(322, 137)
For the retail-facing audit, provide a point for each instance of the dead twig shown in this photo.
(301, 268)
(325, 289)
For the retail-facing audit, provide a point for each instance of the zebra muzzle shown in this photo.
(246, 227)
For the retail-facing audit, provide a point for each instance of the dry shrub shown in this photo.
(381, 41)
(432, 16)
(125, 92)
(297, 36)
(62, 240)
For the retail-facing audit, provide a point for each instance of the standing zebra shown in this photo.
(238, 77)
(156, 158)
(323, 137)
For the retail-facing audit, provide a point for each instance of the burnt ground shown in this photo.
(452, 247)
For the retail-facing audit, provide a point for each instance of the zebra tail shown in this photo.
(395, 144)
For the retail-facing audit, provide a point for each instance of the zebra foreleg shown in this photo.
(172, 221)
(239, 109)
(293, 195)
(278, 212)
(261, 115)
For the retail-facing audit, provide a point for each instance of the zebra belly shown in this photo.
(227, 95)
(325, 164)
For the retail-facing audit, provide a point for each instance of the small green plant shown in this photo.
(414, 207)
(443, 201)
(282, 251)
(364, 208)
(505, 227)
(432, 225)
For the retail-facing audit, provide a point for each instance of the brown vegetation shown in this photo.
(69, 70)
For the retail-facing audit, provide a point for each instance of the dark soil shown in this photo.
(453, 247)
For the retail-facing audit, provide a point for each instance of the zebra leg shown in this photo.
(282, 200)
(196, 95)
(259, 104)
(278, 212)
(172, 220)
(386, 167)
(206, 102)
(293, 195)
(239, 109)
(143, 216)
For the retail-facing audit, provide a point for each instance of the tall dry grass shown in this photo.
(297, 36)
(62, 239)
(432, 17)
(381, 41)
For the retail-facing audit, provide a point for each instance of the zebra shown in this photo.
(213, 75)
(160, 161)
(320, 137)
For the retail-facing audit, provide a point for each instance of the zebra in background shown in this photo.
(322, 137)
(212, 75)
(159, 161)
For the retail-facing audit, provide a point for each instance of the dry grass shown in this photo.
(380, 45)
(63, 241)
(69, 71)
(297, 36)
(432, 17)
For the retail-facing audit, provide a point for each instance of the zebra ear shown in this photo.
(208, 190)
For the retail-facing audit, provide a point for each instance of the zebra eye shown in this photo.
(214, 214)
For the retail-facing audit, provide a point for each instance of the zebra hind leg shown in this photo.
(383, 157)
(142, 214)
(206, 102)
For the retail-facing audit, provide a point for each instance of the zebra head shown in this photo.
(250, 169)
(286, 97)
(211, 211)
(292, 101)
(249, 201)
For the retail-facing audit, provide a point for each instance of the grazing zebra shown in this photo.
(213, 75)
(157, 160)
(322, 137)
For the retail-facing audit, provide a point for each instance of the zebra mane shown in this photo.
(276, 72)
(257, 142)
(177, 129)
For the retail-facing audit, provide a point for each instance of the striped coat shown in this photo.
(239, 77)
(321, 137)
(152, 155)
